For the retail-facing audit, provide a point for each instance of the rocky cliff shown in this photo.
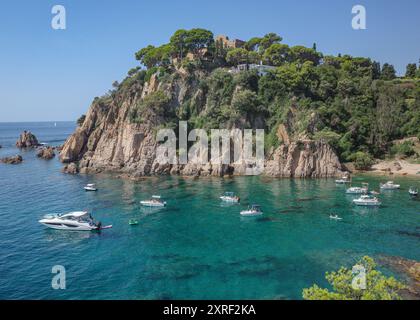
(119, 131)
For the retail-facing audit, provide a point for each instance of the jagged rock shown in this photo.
(108, 141)
(27, 140)
(12, 160)
(46, 153)
(410, 269)
(312, 159)
(71, 168)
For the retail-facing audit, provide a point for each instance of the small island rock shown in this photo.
(27, 140)
(46, 153)
(12, 160)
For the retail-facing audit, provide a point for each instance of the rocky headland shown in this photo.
(110, 140)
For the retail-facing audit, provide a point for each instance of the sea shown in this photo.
(196, 247)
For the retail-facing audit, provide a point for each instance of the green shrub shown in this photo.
(361, 160)
(377, 286)
(403, 149)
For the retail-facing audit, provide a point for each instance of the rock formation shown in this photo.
(109, 141)
(12, 160)
(46, 153)
(70, 168)
(410, 269)
(27, 140)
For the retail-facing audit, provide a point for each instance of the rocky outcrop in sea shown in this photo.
(27, 140)
(46, 153)
(12, 160)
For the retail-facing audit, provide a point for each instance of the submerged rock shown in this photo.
(27, 140)
(12, 160)
(46, 153)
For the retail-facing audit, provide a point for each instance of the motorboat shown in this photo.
(254, 210)
(73, 221)
(413, 192)
(90, 187)
(156, 201)
(357, 190)
(230, 197)
(133, 222)
(366, 200)
(335, 217)
(343, 180)
(390, 185)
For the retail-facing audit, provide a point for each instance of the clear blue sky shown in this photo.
(53, 75)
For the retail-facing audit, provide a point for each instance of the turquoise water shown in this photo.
(195, 248)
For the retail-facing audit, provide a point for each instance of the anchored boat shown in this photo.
(90, 187)
(254, 210)
(390, 185)
(73, 221)
(156, 201)
(413, 192)
(366, 200)
(230, 197)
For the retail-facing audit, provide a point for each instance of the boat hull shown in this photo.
(152, 205)
(229, 199)
(61, 226)
(250, 214)
(367, 204)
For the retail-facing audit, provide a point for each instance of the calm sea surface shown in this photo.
(195, 248)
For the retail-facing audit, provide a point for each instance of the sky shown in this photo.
(53, 75)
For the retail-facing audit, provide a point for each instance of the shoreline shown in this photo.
(392, 168)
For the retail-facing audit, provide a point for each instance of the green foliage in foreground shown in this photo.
(378, 286)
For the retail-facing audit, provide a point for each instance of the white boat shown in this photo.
(357, 190)
(390, 185)
(413, 191)
(335, 217)
(343, 180)
(90, 187)
(366, 200)
(230, 197)
(154, 202)
(254, 210)
(73, 221)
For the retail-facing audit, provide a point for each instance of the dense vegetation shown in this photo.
(345, 285)
(351, 102)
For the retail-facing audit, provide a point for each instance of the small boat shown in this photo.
(390, 185)
(73, 221)
(343, 180)
(133, 222)
(413, 192)
(154, 202)
(90, 187)
(357, 190)
(230, 197)
(366, 200)
(373, 192)
(335, 217)
(254, 210)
